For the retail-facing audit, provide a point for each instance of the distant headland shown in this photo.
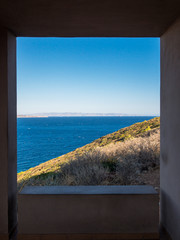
(75, 114)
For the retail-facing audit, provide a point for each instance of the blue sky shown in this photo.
(88, 75)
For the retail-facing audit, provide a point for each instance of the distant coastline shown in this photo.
(77, 114)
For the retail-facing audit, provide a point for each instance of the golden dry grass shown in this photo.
(119, 163)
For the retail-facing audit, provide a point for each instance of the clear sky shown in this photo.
(88, 75)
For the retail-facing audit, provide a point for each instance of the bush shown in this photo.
(84, 170)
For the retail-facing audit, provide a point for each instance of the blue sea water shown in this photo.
(41, 139)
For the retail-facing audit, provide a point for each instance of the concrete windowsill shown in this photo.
(122, 212)
(89, 190)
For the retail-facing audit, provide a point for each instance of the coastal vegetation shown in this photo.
(127, 156)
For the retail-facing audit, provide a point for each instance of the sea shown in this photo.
(42, 139)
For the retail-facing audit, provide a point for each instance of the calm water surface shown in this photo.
(41, 139)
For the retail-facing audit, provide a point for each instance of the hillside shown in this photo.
(126, 156)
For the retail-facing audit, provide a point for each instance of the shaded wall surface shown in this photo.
(8, 153)
(101, 18)
(114, 210)
(170, 130)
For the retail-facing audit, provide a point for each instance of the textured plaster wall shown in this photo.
(170, 130)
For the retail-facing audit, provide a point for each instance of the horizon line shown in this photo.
(80, 114)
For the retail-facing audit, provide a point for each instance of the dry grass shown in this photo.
(119, 163)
